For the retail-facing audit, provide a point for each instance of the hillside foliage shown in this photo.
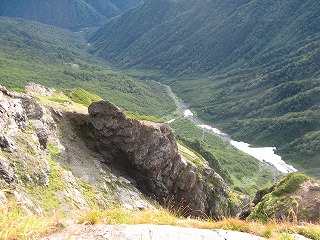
(250, 67)
(243, 172)
(71, 14)
(32, 52)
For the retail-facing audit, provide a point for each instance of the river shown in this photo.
(264, 154)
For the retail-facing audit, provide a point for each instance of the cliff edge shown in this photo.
(148, 153)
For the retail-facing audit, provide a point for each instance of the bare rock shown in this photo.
(6, 172)
(148, 153)
(6, 143)
(36, 88)
(154, 232)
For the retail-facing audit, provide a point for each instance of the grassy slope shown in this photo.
(32, 52)
(240, 170)
(250, 66)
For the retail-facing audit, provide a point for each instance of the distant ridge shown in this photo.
(69, 14)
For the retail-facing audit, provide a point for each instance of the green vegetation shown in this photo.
(53, 149)
(277, 203)
(72, 14)
(81, 96)
(32, 52)
(190, 155)
(289, 184)
(136, 116)
(46, 195)
(242, 171)
(16, 224)
(250, 67)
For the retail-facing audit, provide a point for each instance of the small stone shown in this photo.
(3, 198)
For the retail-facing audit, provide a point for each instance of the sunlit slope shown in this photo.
(251, 67)
(33, 52)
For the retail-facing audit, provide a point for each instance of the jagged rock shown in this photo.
(26, 128)
(148, 153)
(6, 172)
(6, 143)
(36, 88)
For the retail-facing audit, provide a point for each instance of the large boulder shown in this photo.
(147, 152)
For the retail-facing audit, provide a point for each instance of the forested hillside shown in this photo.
(33, 52)
(251, 67)
(112, 8)
(70, 14)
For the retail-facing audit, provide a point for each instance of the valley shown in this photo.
(189, 113)
(265, 154)
(249, 67)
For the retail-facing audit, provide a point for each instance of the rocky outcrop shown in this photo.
(115, 157)
(296, 197)
(35, 153)
(147, 152)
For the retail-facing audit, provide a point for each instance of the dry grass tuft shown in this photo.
(15, 223)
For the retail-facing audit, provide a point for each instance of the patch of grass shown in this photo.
(310, 231)
(271, 230)
(122, 216)
(136, 116)
(289, 183)
(59, 100)
(17, 224)
(278, 203)
(82, 96)
(47, 195)
(18, 90)
(53, 149)
(190, 156)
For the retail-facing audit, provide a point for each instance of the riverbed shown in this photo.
(264, 154)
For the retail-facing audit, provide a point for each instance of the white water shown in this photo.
(264, 154)
(187, 113)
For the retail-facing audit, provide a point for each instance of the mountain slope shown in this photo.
(70, 14)
(251, 67)
(112, 8)
(33, 52)
(206, 35)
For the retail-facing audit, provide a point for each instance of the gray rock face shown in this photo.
(6, 173)
(31, 146)
(148, 153)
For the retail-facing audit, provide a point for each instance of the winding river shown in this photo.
(264, 154)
